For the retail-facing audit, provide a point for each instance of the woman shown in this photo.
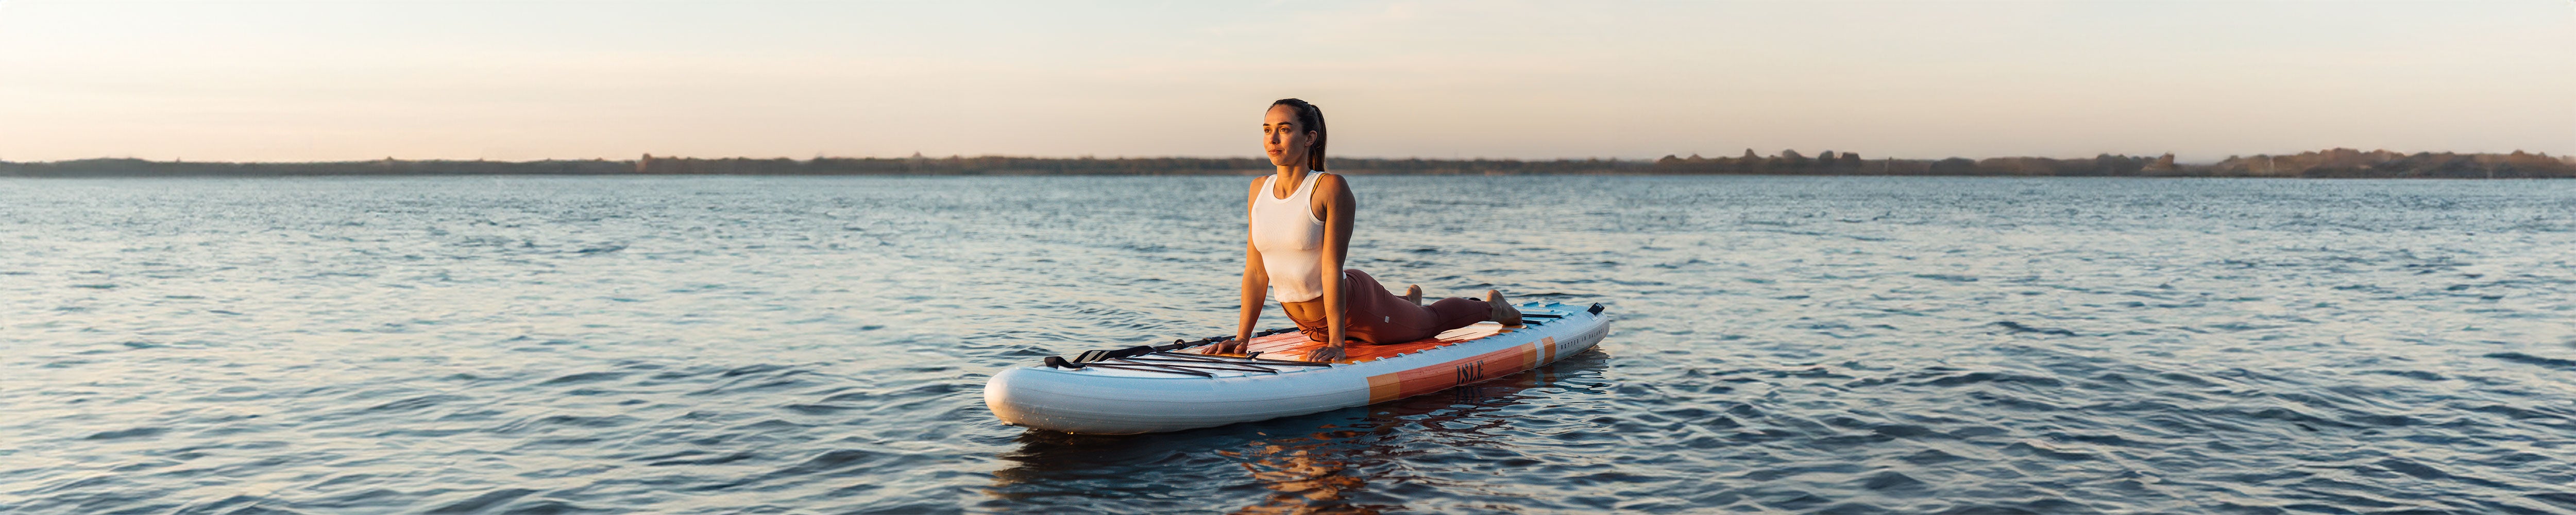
(1301, 226)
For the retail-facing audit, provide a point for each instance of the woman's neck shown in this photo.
(1289, 178)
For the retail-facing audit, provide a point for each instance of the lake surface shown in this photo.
(751, 344)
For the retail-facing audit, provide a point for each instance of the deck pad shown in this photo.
(1294, 345)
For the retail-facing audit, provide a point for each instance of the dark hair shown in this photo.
(1309, 118)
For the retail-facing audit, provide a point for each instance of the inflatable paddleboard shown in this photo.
(1176, 386)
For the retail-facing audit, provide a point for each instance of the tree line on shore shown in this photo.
(2346, 163)
(2335, 163)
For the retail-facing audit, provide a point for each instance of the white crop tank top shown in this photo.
(1290, 240)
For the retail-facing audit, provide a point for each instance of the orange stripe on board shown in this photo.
(1385, 387)
(1418, 381)
(1551, 348)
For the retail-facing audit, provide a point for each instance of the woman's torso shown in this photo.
(1290, 239)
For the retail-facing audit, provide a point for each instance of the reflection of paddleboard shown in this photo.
(1164, 388)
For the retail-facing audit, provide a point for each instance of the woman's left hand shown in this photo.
(1327, 354)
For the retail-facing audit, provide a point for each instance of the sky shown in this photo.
(364, 79)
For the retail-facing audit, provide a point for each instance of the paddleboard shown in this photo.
(1180, 385)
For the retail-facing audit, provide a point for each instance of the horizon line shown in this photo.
(918, 155)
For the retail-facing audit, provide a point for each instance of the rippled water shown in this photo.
(725, 344)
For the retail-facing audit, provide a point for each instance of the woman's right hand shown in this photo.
(1229, 346)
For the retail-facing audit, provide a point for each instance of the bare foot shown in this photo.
(1413, 292)
(1503, 310)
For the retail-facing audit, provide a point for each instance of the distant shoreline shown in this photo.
(2334, 163)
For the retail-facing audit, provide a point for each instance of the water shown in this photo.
(731, 344)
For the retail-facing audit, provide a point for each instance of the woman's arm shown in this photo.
(1336, 212)
(1256, 284)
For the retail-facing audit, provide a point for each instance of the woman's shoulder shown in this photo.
(1328, 182)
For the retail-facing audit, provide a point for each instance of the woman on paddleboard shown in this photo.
(1300, 227)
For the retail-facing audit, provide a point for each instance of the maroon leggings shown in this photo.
(1370, 314)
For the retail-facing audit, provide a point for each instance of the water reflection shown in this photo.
(1344, 461)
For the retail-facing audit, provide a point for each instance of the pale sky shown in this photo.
(359, 79)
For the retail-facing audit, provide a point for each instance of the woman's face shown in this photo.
(1282, 138)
